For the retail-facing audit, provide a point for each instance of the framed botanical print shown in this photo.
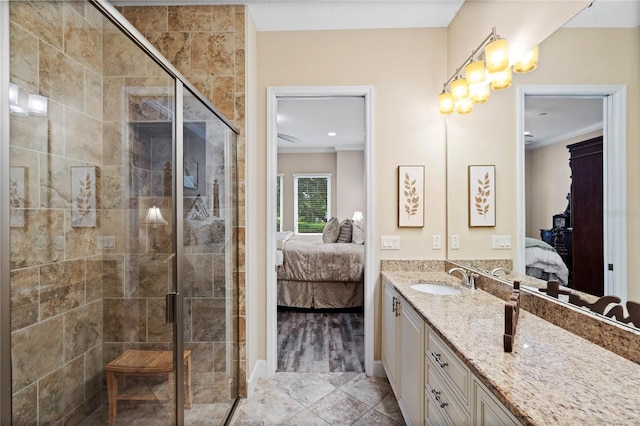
(411, 196)
(482, 196)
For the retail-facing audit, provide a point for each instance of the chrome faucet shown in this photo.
(468, 280)
(495, 271)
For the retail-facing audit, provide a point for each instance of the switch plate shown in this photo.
(455, 242)
(500, 242)
(390, 242)
(106, 243)
(435, 242)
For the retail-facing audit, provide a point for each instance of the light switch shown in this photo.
(435, 242)
(390, 242)
(455, 242)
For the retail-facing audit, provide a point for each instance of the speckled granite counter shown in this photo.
(551, 377)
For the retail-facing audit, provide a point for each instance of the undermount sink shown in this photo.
(434, 288)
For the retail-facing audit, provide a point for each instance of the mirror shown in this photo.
(569, 56)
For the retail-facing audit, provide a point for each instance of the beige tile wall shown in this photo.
(207, 45)
(56, 286)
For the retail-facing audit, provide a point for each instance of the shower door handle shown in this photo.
(171, 305)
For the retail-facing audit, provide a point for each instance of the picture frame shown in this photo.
(83, 196)
(482, 196)
(411, 196)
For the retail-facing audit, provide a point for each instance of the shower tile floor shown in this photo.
(348, 398)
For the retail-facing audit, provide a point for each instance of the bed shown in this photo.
(543, 261)
(320, 275)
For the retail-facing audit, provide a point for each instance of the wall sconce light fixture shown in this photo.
(486, 68)
(23, 103)
(154, 218)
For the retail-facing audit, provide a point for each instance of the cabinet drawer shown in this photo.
(443, 360)
(443, 404)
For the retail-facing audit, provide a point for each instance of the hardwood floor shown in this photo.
(320, 342)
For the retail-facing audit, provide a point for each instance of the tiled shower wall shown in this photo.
(56, 300)
(207, 45)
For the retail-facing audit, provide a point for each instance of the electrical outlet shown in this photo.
(435, 242)
(499, 242)
(390, 242)
(455, 242)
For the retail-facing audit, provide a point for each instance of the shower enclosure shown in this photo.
(118, 225)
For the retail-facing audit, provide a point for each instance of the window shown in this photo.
(311, 202)
(279, 203)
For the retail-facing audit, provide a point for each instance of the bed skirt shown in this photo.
(320, 295)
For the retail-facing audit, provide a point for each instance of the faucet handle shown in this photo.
(472, 280)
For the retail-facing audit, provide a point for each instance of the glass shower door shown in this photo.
(209, 260)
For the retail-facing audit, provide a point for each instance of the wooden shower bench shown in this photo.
(133, 362)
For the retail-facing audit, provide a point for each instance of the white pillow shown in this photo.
(331, 231)
(357, 235)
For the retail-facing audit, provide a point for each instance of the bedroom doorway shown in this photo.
(319, 168)
(612, 99)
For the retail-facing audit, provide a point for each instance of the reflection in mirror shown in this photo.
(607, 308)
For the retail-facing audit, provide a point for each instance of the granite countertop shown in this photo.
(552, 376)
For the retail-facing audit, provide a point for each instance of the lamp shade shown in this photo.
(474, 72)
(446, 104)
(357, 215)
(459, 89)
(528, 63)
(479, 92)
(501, 80)
(496, 56)
(465, 107)
(154, 217)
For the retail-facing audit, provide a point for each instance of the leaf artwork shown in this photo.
(482, 195)
(412, 199)
(83, 200)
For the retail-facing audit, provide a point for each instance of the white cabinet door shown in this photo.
(488, 410)
(411, 364)
(390, 334)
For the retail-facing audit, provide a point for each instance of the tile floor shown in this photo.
(348, 398)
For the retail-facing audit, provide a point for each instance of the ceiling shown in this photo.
(310, 122)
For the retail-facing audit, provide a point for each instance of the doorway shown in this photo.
(274, 95)
(614, 175)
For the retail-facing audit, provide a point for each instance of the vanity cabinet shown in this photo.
(402, 342)
(452, 394)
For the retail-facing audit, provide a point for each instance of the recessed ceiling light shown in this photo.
(331, 133)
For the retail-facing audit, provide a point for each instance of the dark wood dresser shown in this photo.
(586, 164)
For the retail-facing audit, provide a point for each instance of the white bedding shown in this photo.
(281, 239)
(548, 261)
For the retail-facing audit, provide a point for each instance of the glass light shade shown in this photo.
(465, 107)
(479, 92)
(154, 217)
(496, 56)
(501, 80)
(37, 104)
(528, 63)
(446, 104)
(459, 89)
(474, 72)
(14, 101)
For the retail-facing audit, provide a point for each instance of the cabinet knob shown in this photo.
(436, 394)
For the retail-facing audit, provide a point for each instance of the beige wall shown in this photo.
(406, 69)
(351, 195)
(548, 181)
(488, 135)
(289, 164)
